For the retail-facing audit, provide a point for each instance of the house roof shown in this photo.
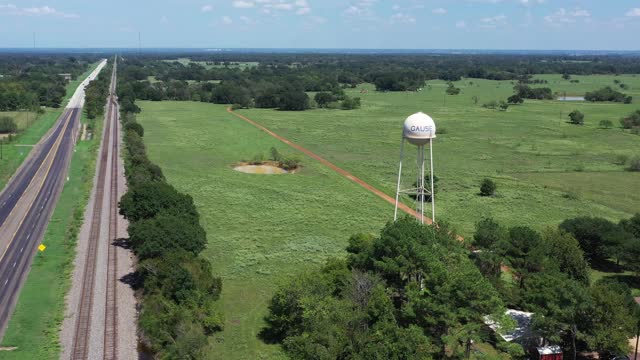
(550, 350)
(523, 323)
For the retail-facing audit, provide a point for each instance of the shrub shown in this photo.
(634, 164)
(631, 120)
(350, 103)
(606, 124)
(607, 94)
(515, 99)
(134, 126)
(7, 125)
(452, 90)
(621, 159)
(487, 187)
(576, 117)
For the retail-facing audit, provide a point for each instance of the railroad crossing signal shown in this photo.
(41, 247)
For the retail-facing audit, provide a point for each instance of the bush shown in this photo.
(515, 99)
(607, 94)
(487, 187)
(576, 117)
(7, 125)
(606, 124)
(621, 159)
(350, 103)
(633, 120)
(452, 90)
(134, 126)
(634, 164)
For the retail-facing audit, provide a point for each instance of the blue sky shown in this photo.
(408, 24)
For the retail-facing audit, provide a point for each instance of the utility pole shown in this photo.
(635, 356)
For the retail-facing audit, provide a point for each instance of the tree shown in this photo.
(323, 99)
(559, 304)
(595, 235)
(566, 76)
(134, 126)
(350, 103)
(632, 225)
(576, 117)
(630, 121)
(634, 164)
(520, 251)
(515, 99)
(606, 124)
(293, 100)
(487, 187)
(164, 233)
(152, 198)
(7, 125)
(503, 106)
(489, 233)
(609, 323)
(452, 90)
(563, 253)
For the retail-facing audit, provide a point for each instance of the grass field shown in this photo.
(264, 229)
(35, 324)
(531, 151)
(232, 65)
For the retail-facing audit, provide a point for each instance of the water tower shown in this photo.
(419, 130)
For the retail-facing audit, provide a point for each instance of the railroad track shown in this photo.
(111, 307)
(82, 335)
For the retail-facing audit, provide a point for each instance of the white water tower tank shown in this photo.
(419, 128)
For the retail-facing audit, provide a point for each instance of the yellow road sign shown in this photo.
(41, 247)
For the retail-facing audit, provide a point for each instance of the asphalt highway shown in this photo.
(26, 205)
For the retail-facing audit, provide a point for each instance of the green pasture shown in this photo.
(210, 65)
(263, 229)
(533, 154)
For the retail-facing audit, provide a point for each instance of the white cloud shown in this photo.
(564, 16)
(163, 19)
(206, 8)
(227, 20)
(530, 2)
(243, 4)
(461, 24)
(633, 12)
(494, 19)
(360, 8)
(402, 18)
(439, 11)
(303, 11)
(10, 9)
(580, 13)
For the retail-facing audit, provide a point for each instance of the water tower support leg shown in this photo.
(395, 213)
(433, 190)
(422, 188)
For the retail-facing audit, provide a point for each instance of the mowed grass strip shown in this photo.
(516, 148)
(35, 323)
(262, 229)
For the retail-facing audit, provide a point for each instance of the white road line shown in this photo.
(22, 248)
(6, 281)
(14, 263)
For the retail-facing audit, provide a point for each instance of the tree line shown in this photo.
(28, 82)
(416, 292)
(177, 290)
